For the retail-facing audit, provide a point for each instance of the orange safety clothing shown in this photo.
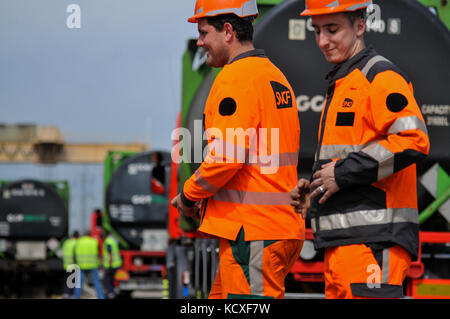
(318, 7)
(211, 8)
(372, 127)
(253, 269)
(253, 131)
(359, 271)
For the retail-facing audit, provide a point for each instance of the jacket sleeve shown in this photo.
(231, 119)
(394, 116)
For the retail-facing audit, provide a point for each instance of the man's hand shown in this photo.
(324, 182)
(185, 210)
(300, 197)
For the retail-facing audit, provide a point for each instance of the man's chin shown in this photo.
(214, 64)
(210, 61)
(333, 59)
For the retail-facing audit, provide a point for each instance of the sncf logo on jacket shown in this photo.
(347, 103)
(283, 95)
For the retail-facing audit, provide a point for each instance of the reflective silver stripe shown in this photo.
(338, 151)
(251, 198)
(333, 4)
(359, 6)
(255, 267)
(215, 159)
(247, 9)
(385, 267)
(282, 159)
(232, 152)
(203, 183)
(368, 217)
(383, 156)
(313, 225)
(365, 70)
(407, 123)
(237, 154)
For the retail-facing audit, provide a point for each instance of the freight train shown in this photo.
(135, 212)
(413, 38)
(33, 224)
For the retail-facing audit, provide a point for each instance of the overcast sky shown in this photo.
(116, 78)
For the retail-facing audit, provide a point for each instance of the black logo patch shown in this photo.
(345, 119)
(347, 103)
(227, 107)
(396, 102)
(283, 96)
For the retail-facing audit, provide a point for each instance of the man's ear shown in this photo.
(229, 31)
(360, 26)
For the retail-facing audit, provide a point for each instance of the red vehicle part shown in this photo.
(174, 216)
(130, 264)
(96, 223)
(425, 288)
(308, 271)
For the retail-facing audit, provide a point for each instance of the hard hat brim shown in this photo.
(316, 12)
(195, 18)
(339, 9)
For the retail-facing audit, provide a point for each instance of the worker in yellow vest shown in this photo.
(87, 258)
(68, 256)
(111, 262)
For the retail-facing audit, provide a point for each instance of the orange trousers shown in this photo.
(357, 271)
(253, 269)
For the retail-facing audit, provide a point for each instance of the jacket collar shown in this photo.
(357, 62)
(251, 53)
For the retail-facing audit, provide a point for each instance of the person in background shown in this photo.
(112, 261)
(87, 258)
(68, 255)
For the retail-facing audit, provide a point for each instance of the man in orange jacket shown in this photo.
(243, 184)
(363, 205)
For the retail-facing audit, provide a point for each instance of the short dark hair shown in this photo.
(352, 16)
(242, 26)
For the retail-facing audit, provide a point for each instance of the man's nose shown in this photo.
(322, 40)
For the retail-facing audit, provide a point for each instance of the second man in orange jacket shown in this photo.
(363, 188)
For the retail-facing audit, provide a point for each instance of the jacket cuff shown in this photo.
(357, 168)
(340, 175)
(186, 201)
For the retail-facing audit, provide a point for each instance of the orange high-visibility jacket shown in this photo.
(372, 126)
(253, 132)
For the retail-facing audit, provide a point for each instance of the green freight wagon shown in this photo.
(33, 223)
